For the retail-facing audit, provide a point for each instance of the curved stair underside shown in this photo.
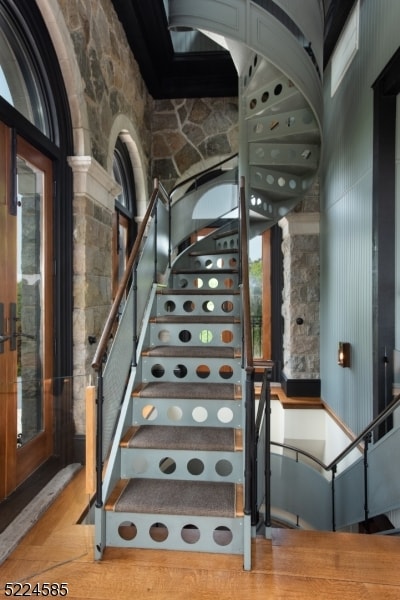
(277, 51)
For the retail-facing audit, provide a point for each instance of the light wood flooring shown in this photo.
(293, 566)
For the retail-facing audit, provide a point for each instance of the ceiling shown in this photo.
(200, 69)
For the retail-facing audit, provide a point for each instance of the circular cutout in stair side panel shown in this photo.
(200, 414)
(195, 466)
(222, 536)
(203, 371)
(169, 306)
(185, 336)
(226, 372)
(190, 534)
(164, 336)
(223, 468)
(225, 414)
(208, 306)
(206, 336)
(188, 306)
(228, 283)
(139, 465)
(174, 413)
(167, 465)
(149, 412)
(157, 371)
(198, 283)
(180, 371)
(226, 336)
(227, 306)
(127, 531)
(158, 532)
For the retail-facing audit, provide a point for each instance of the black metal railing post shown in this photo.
(99, 440)
(334, 469)
(250, 456)
(267, 460)
(367, 441)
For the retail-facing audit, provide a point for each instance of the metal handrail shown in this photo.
(202, 173)
(391, 407)
(299, 451)
(101, 350)
(264, 410)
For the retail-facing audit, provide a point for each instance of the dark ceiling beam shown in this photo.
(168, 74)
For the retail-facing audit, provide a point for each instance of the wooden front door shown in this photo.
(26, 310)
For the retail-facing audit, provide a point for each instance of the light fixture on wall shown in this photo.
(344, 354)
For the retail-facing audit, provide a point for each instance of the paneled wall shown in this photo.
(346, 218)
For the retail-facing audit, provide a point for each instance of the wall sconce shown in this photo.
(344, 354)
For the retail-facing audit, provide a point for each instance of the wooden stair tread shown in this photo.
(178, 497)
(189, 391)
(176, 437)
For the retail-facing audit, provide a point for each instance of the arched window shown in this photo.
(124, 230)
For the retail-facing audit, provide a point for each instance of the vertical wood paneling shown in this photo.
(346, 218)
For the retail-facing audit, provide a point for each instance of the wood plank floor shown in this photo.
(293, 566)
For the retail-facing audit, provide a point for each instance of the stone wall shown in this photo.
(114, 92)
(112, 80)
(190, 135)
(300, 294)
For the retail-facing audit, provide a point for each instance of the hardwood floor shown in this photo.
(295, 565)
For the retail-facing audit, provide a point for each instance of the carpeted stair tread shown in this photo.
(175, 497)
(190, 391)
(203, 319)
(193, 351)
(172, 437)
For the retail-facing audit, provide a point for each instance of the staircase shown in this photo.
(181, 464)
(176, 415)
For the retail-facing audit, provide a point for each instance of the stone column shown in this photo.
(93, 206)
(300, 303)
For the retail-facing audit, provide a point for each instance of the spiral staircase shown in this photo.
(172, 471)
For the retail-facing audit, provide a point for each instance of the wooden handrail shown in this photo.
(105, 336)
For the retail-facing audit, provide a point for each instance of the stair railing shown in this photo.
(116, 352)
(247, 361)
(365, 436)
(263, 453)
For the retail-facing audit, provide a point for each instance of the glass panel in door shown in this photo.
(26, 313)
(30, 298)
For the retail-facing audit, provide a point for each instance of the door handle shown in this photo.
(5, 338)
(13, 335)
